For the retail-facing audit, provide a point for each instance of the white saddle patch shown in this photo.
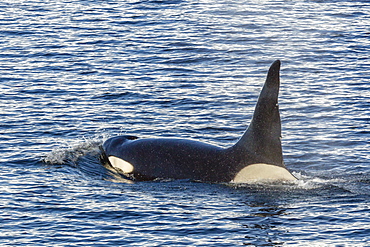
(121, 164)
(264, 172)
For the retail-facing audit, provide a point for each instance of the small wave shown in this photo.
(73, 152)
(310, 183)
(303, 182)
(85, 157)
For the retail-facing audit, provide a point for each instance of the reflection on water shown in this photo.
(74, 73)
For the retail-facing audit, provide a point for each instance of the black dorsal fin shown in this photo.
(262, 138)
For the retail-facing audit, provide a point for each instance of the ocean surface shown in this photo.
(75, 72)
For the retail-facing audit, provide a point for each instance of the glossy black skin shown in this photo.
(174, 158)
(186, 159)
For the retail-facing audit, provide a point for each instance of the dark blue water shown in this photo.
(73, 73)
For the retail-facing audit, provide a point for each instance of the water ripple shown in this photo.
(75, 72)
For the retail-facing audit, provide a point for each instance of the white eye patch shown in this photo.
(121, 164)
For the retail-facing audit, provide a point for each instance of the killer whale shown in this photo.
(257, 155)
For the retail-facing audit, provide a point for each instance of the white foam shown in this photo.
(73, 151)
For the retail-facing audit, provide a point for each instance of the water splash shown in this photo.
(71, 154)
